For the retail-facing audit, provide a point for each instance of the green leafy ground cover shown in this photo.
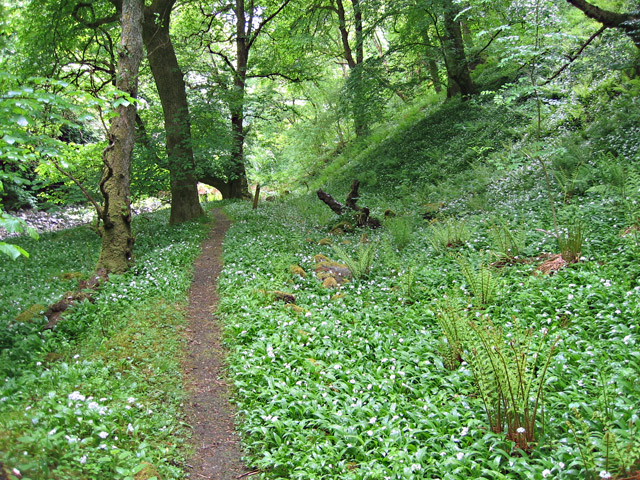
(100, 395)
(357, 384)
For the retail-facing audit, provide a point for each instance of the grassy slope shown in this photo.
(355, 385)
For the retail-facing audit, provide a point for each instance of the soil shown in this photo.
(217, 451)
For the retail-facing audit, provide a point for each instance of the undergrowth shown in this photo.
(99, 396)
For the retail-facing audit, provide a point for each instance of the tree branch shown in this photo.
(94, 23)
(265, 21)
(573, 57)
(224, 57)
(85, 192)
(276, 74)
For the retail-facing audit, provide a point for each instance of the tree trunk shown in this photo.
(432, 65)
(116, 252)
(238, 185)
(458, 71)
(185, 203)
(358, 106)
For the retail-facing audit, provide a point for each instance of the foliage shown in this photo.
(454, 324)
(571, 242)
(400, 229)
(14, 225)
(451, 233)
(481, 282)
(367, 351)
(508, 241)
(509, 373)
(360, 265)
(82, 403)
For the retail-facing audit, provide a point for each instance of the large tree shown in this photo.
(94, 57)
(169, 81)
(116, 252)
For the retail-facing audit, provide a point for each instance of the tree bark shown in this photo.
(432, 65)
(358, 106)
(185, 203)
(116, 252)
(238, 186)
(458, 72)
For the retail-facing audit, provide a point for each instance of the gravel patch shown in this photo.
(71, 216)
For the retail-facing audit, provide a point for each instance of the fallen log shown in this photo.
(362, 214)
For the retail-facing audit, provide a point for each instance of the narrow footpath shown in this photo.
(217, 452)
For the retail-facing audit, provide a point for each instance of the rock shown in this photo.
(72, 276)
(34, 312)
(297, 270)
(431, 210)
(329, 282)
(551, 265)
(342, 227)
(325, 241)
(328, 269)
(295, 308)
(148, 472)
(279, 295)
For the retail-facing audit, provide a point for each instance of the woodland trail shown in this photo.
(217, 453)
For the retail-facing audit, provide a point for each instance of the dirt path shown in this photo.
(217, 449)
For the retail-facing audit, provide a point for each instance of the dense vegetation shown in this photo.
(99, 396)
(488, 329)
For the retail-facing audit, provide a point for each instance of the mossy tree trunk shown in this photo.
(116, 253)
(458, 72)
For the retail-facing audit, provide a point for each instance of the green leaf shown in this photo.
(121, 101)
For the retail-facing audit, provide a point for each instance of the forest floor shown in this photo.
(217, 453)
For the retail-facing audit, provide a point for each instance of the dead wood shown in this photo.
(362, 214)
(333, 204)
(86, 291)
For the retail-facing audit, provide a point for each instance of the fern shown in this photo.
(481, 282)
(450, 234)
(508, 241)
(510, 379)
(570, 242)
(360, 266)
(454, 324)
(400, 229)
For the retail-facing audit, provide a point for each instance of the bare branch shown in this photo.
(274, 75)
(573, 57)
(94, 23)
(224, 57)
(265, 21)
(85, 192)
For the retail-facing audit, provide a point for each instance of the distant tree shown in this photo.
(231, 32)
(458, 72)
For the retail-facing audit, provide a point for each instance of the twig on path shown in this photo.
(249, 474)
